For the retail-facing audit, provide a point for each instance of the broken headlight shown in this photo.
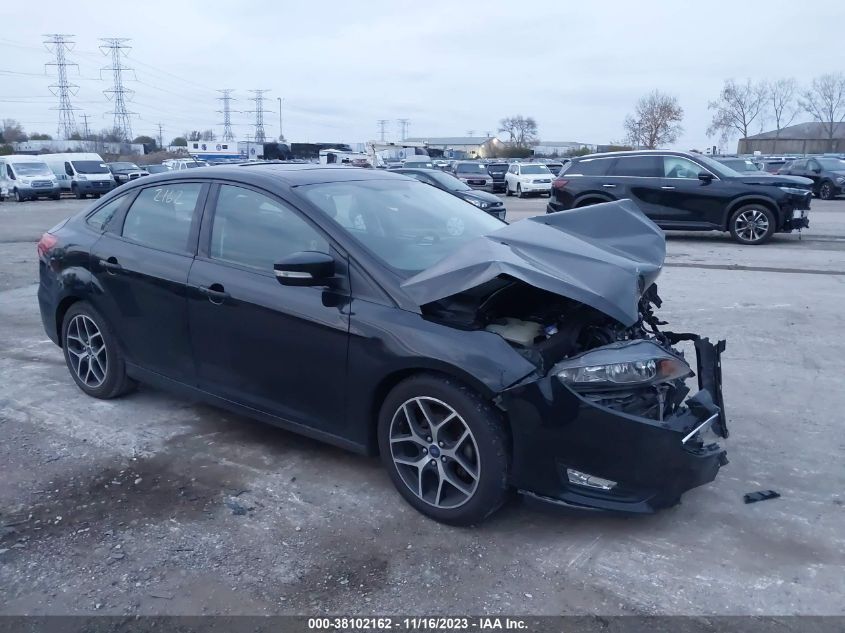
(628, 364)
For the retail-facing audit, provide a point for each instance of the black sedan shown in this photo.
(485, 201)
(374, 312)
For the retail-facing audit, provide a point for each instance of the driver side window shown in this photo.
(254, 230)
(678, 167)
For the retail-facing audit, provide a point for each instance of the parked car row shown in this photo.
(82, 174)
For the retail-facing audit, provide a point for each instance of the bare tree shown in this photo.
(782, 103)
(825, 102)
(12, 131)
(737, 107)
(521, 130)
(655, 122)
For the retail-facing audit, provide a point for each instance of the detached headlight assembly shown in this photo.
(793, 191)
(621, 365)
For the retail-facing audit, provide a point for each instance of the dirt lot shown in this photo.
(154, 505)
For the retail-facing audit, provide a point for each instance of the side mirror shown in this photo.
(705, 176)
(307, 268)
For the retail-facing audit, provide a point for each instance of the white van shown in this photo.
(27, 178)
(81, 173)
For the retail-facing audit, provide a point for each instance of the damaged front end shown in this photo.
(606, 421)
(611, 427)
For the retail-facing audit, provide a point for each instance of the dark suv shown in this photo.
(687, 192)
(826, 172)
(497, 172)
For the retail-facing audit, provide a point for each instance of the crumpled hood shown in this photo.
(603, 255)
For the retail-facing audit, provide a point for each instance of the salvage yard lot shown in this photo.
(152, 504)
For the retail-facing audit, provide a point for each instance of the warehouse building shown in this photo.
(803, 138)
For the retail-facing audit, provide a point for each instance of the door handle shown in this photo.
(215, 293)
(111, 265)
(667, 187)
(609, 186)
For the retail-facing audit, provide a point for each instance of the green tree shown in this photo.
(149, 143)
(179, 141)
(37, 136)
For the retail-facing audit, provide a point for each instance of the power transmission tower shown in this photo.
(160, 135)
(115, 46)
(403, 127)
(259, 111)
(227, 98)
(382, 125)
(59, 45)
(87, 133)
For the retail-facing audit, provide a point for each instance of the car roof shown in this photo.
(634, 152)
(291, 174)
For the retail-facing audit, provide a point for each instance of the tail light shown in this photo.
(46, 244)
(559, 183)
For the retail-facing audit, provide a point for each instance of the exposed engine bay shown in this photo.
(548, 329)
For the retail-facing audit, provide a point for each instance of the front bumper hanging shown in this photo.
(572, 452)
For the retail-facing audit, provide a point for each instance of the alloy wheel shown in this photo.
(825, 192)
(752, 225)
(434, 452)
(87, 351)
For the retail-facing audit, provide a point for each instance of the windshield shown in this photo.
(535, 169)
(832, 164)
(448, 181)
(720, 169)
(471, 168)
(407, 225)
(90, 167)
(31, 169)
(124, 166)
(740, 165)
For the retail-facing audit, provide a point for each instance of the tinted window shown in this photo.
(101, 216)
(677, 167)
(643, 166)
(257, 231)
(798, 164)
(161, 216)
(590, 167)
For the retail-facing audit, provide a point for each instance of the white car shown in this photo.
(525, 178)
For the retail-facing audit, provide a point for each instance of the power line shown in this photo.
(403, 127)
(382, 125)
(259, 98)
(227, 98)
(60, 44)
(119, 94)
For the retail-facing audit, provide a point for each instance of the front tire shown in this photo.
(752, 225)
(826, 191)
(445, 449)
(508, 190)
(519, 193)
(92, 355)
(19, 197)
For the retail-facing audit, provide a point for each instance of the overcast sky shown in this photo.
(449, 67)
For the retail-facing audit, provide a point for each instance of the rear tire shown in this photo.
(752, 225)
(826, 191)
(92, 354)
(434, 430)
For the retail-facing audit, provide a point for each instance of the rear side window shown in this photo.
(104, 214)
(639, 166)
(590, 167)
(255, 230)
(161, 216)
